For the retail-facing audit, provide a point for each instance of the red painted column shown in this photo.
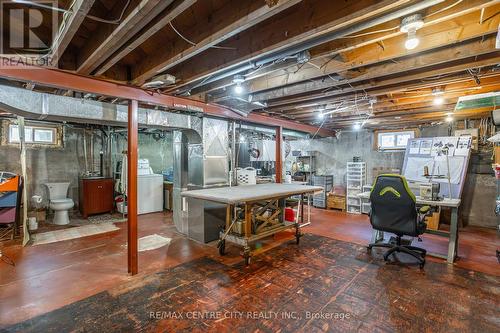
(279, 156)
(132, 187)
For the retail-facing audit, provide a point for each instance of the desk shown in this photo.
(254, 211)
(452, 236)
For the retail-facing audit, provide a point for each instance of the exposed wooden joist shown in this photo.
(459, 81)
(438, 31)
(107, 40)
(309, 19)
(229, 25)
(70, 25)
(489, 59)
(163, 19)
(363, 63)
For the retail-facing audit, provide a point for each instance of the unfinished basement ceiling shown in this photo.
(297, 59)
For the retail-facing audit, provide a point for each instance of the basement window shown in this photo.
(36, 135)
(393, 140)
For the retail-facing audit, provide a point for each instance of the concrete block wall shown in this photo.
(67, 163)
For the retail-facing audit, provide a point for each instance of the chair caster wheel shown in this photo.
(422, 264)
(369, 249)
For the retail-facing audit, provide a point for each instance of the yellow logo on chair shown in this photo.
(390, 189)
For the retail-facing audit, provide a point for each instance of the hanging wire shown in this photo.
(194, 44)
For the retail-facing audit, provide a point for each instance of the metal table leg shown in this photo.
(453, 241)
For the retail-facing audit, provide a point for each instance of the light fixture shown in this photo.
(438, 100)
(410, 25)
(449, 119)
(238, 80)
(438, 96)
(356, 126)
(321, 115)
(238, 89)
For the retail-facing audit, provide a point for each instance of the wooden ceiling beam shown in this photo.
(107, 40)
(370, 51)
(308, 20)
(470, 48)
(230, 22)
(490, 59)
(433, 19)
(457, 81)
(417, 117)
(152, 28)
(399, 103)
(71, 24)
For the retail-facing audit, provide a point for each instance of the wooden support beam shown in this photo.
(107, 40)
(152, 28)
(489, 59)
(71, 23)
(411, 63)
(387, 94)
(455, 25)
(308, 20)
(279, 155)
(231, 21)
(132, 243)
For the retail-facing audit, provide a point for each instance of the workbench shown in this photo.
(452, 235)
(257, 209)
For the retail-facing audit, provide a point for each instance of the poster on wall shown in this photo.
(425, 146)
(463, 146)
(439, 145)
(414, 147)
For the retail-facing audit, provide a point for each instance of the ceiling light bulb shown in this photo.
(238, 89)
(320, 115)
(356, 126)
(449, 119)
(412, 41)
(438, 100)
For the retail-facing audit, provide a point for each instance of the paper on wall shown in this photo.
(414, 147)
(439, 143)
(425, 146)
(463, 146)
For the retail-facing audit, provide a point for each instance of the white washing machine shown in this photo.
(149, 193)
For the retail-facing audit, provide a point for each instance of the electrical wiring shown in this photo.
(445, 8)
(194, 44)
(372, 32)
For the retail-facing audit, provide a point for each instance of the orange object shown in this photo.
(10, 185)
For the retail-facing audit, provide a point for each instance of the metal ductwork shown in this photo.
(313, 42)
(42, 106)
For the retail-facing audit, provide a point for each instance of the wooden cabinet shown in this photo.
(96, 196)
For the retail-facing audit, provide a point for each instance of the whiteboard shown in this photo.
(429, 155)
(415, 168)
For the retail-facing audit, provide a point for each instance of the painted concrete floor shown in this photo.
(48, 277)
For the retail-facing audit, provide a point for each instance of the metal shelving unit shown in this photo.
(356, 179)
(319, 199)
(365, 203)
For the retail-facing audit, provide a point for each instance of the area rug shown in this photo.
(96, 219)
(320, 285)
(153, 242)
(72, 233)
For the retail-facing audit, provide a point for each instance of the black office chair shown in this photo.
(393, 209)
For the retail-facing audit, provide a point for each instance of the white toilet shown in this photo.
(59, 203)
